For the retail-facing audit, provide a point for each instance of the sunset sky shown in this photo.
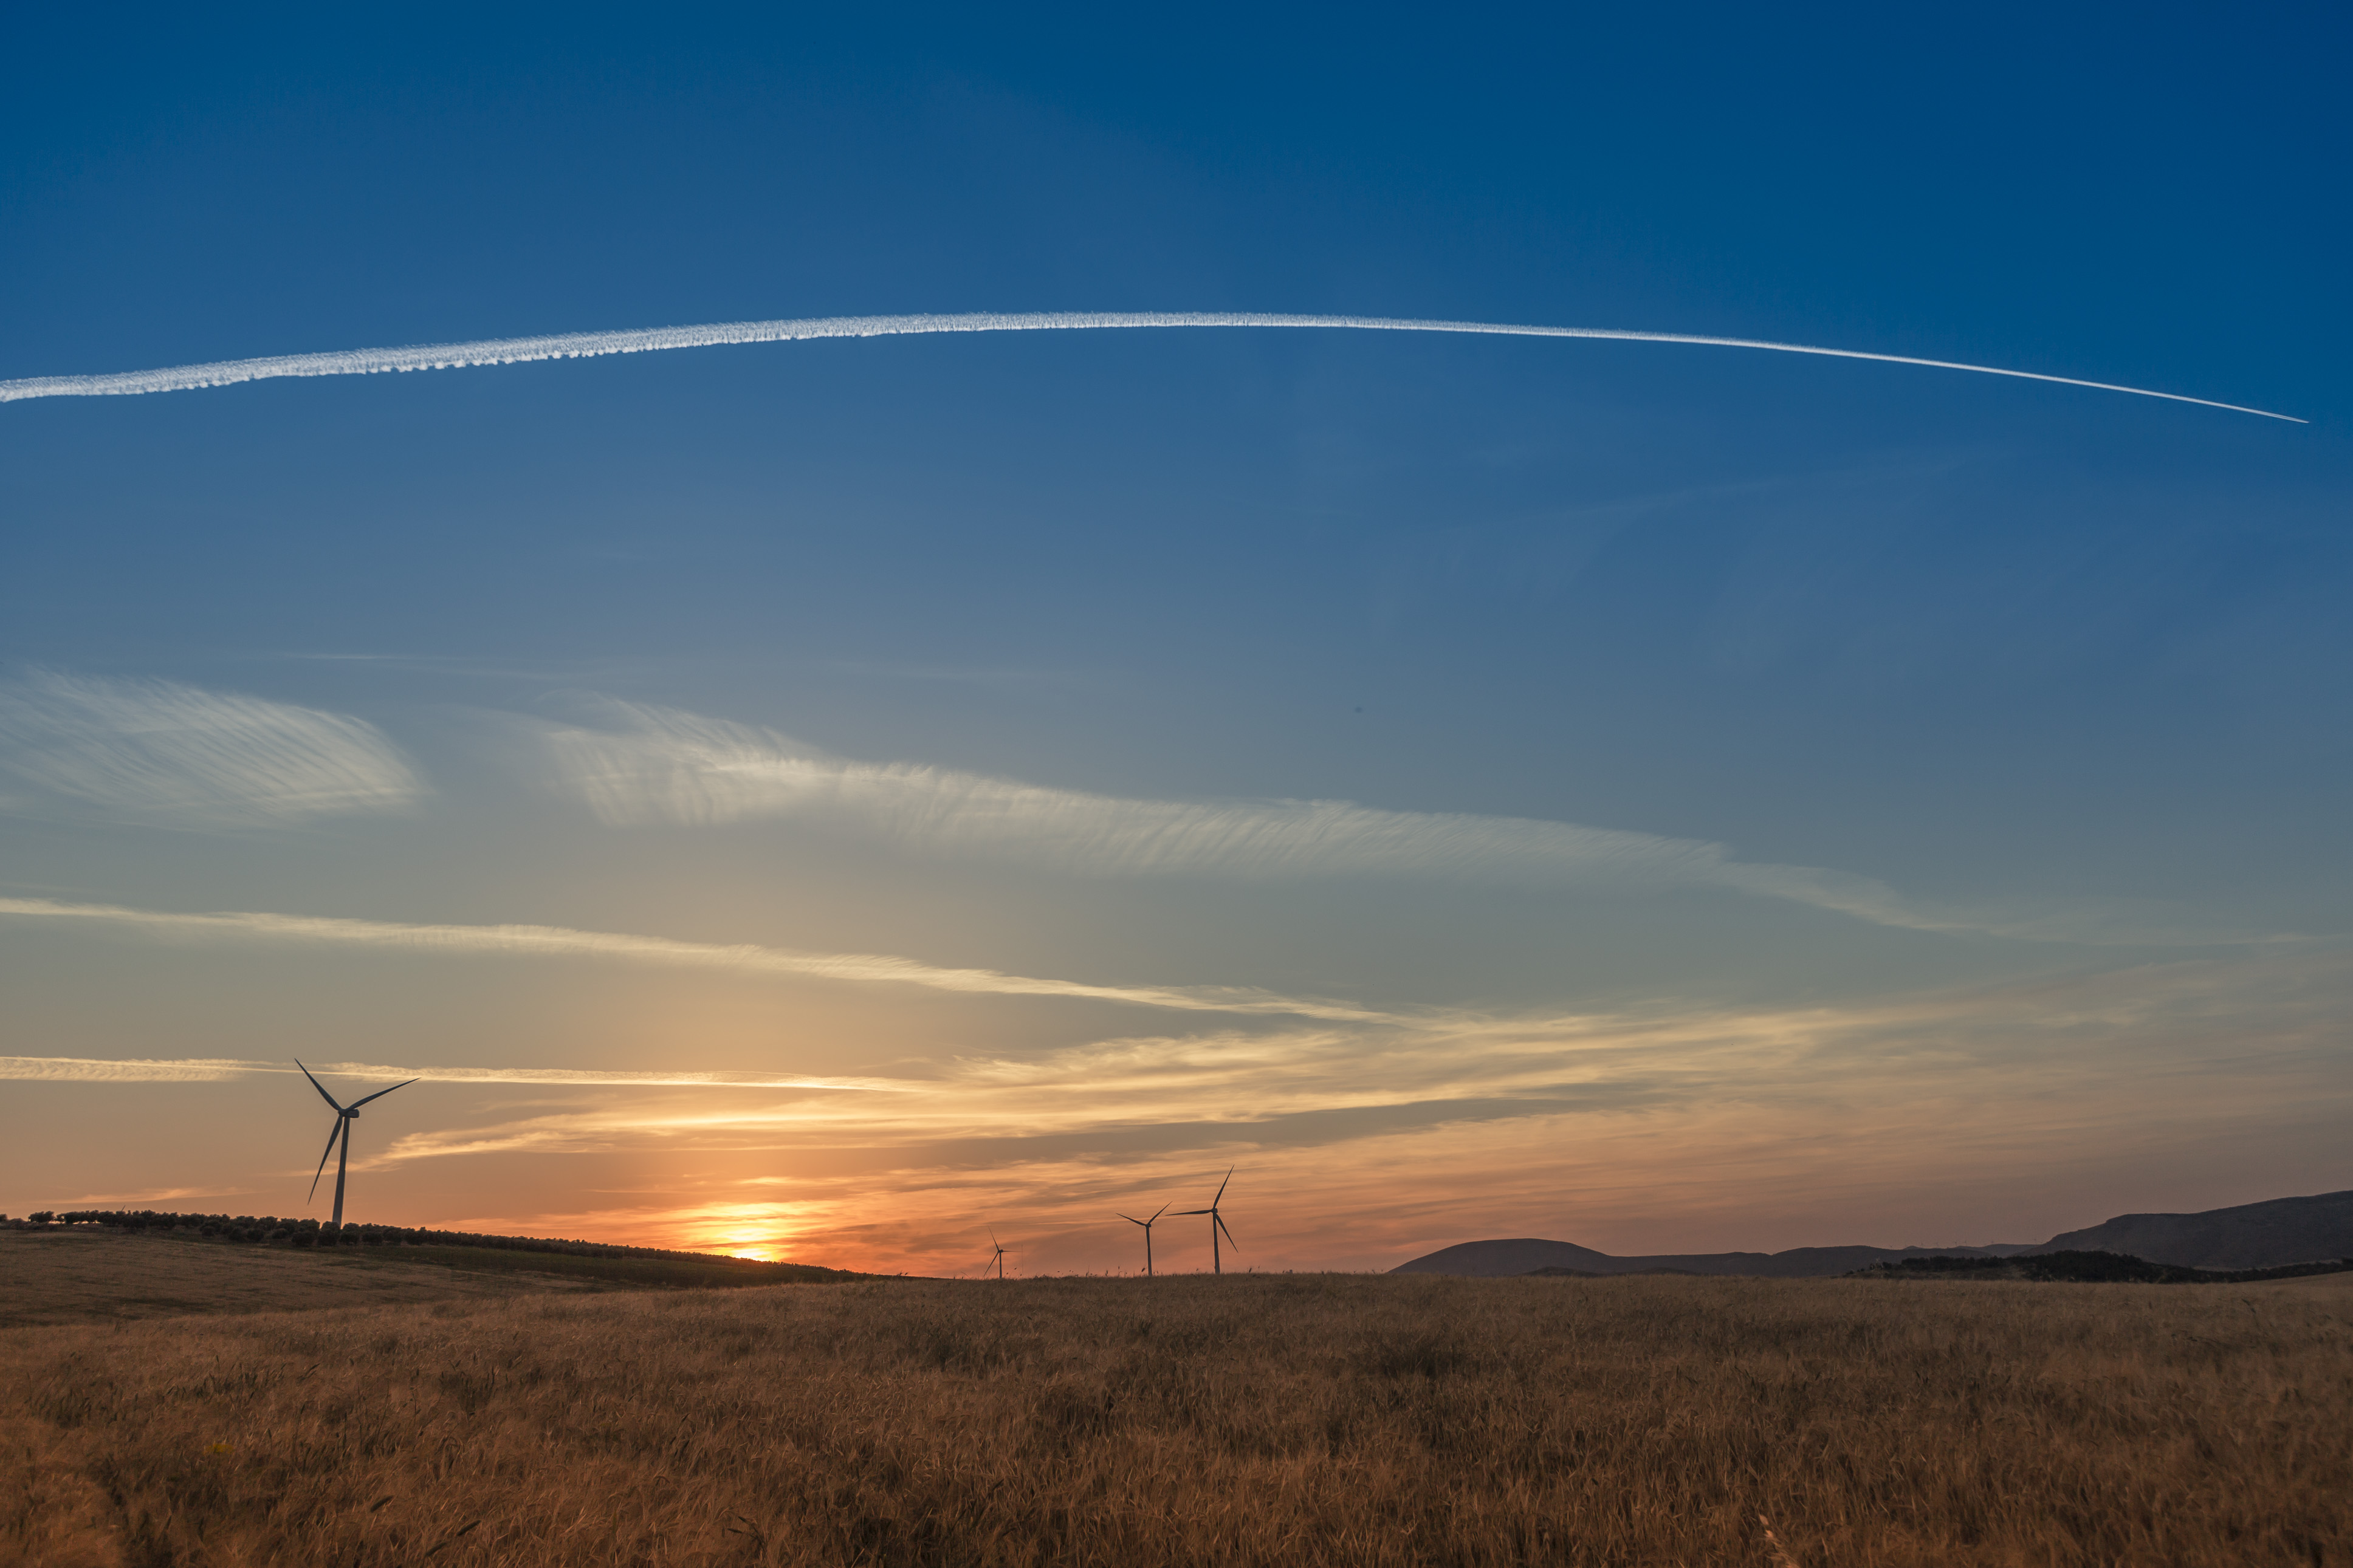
(834, 799)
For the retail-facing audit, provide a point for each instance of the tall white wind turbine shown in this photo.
(341, 1136)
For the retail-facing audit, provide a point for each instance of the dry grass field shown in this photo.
(1284, 1420)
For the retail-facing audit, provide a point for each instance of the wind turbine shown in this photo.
(344, 1116)
(999, 1260)
(1217, 1223)
(1146, 1224)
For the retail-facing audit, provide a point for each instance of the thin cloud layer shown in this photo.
(2069, 1038)
(225, 1069)
(2066, 1039)
(1587, 1125)
(659, 766)
(666, 766)
(560, 942)
(158, 751)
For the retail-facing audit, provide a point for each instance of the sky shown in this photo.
(839, 799)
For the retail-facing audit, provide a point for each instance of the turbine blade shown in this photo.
(379, 1094)
(1157, 1213)
(1221, 1188)
(321, 1171)
(1220, 1221)
(320, 1086)
(1132, 1220)
(1182, 1212)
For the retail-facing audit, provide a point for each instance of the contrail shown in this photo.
(583, 345)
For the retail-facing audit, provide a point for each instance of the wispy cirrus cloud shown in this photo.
(660, 765)
(1589, 1126)
(2079, 1031)
(1322, 1083)
(562, 941)
(159, 751)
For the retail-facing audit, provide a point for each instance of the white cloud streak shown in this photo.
(559, 941)
(665, 766)
(583, 345)
(224, 1069)
(152, 1196)
(155, 751)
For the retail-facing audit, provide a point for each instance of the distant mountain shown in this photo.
(1527, 1254)
(2252, 1235)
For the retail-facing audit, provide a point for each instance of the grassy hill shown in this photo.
(2274, 1233)
(588, 1262)
(2249, 1236)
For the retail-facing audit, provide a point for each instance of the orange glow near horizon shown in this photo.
(2001, 1114)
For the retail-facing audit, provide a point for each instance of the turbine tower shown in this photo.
(1217, 1223)
(1146, 1224)
(344, 1116)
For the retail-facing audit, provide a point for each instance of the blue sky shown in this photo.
(1795, 800)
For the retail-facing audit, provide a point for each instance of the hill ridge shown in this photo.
(270, 1231)
(2272, 1233)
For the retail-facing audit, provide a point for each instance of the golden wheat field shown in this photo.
(86, 1276)
(1271, 1420)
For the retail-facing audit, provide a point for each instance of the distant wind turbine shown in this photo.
(1217, 1223)
(1146, 1224)
(344, 1116)
(999, 1260)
